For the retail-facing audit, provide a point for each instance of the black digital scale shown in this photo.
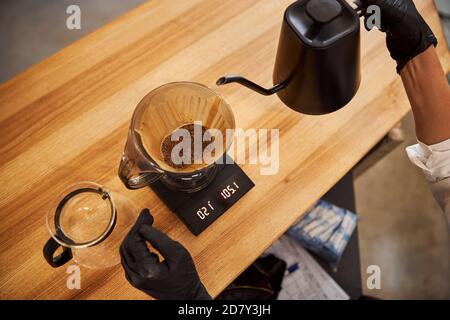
(200, 209)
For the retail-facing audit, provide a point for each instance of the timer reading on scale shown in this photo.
(203, 212)
(225, 194)
(200, 209)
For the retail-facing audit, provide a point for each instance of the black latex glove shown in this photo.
(407, 33)
(174, 278)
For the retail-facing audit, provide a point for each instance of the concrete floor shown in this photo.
(444, 9)
(401, 228)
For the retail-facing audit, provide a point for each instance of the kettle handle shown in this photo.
(251, 85)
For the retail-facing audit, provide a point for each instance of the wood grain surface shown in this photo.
(65, 120)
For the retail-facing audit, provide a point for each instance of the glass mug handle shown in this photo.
(133, 177)
(49, 254)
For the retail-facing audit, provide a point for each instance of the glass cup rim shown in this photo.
(169, 84)
(66, 191)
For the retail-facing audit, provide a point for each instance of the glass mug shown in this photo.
(89, 222)
(159, 113)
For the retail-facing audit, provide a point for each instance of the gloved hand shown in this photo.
(174, 278)
(407, 33)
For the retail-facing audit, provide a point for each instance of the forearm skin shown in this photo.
(429, 95)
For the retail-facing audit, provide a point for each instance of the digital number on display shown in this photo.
(229, 190)
(225, 194)
(205, 211)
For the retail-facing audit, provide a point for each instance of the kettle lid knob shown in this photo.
(323, 11)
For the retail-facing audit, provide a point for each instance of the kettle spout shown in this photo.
(251, 85)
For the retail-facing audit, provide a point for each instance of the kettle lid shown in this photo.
(320, 23)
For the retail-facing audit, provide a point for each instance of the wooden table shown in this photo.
(65, 120)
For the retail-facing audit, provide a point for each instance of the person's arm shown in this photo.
(411, 43)
(429, 95)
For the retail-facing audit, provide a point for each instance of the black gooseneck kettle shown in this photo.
(317, 68)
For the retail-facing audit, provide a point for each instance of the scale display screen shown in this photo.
(200, 209)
